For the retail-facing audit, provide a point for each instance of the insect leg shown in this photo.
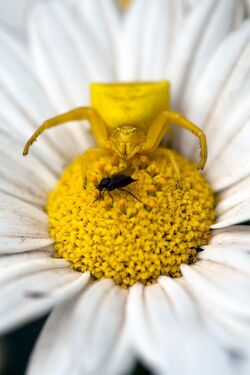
(110, 196)
(129, 192)
(99, 196)
(98, 126)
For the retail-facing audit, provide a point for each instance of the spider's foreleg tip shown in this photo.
(200, 166)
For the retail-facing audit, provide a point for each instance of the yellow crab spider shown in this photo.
(128, 119)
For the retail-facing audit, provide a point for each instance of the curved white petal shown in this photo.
(220, 286)
(149, 32)
(81, 335)
(23, 103)
(192, 341)
(22, 226)
(127, 68)
(164, 325)
(70, 59)
(233, 118)
(9, 260)
(234, 189)
(234, 195)
(103, 32)
(203, 30)
(24, 178)
(66, 62)
(234, 215)
(219, 80)
(31, 295)
(233, 235)
(221, 294)
(32, 265)
(229, 332)
(139, 327)
(232, 165)
(220, 84)
(234, 200)
(234, 256)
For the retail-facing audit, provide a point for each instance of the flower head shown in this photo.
(196, 323)
(137, 237)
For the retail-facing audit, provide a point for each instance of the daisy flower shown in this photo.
(102, 320)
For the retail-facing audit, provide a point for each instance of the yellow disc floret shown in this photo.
(124, 238)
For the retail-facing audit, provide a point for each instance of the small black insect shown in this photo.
(116, 181)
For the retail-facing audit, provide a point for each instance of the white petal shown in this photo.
(81, 335)
(22, 226)
(138, 326)
(104, 31)
(222, 295)
(202, 31)
(230, 164)
(234, 235)
(235, 215)
(27, 179)
(72, 66)
(148, 35)
(127, 67)
(231, 332)
(31, 265)
(164, 326)
(64, 58)
(220, 83)
(221, 286)
(234, 256)
(191, 340)
(24, 109)
(9, 260)
(219, 79)
(235, 189)
(220, 18)
(234, 195)
(233, 118)
(233, 200)
(32, 295)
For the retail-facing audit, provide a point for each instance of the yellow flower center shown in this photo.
(129, 239)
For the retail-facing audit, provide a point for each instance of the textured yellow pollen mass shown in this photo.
(125, 239)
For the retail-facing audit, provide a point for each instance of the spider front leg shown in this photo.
(162, 124)
(98, 126)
